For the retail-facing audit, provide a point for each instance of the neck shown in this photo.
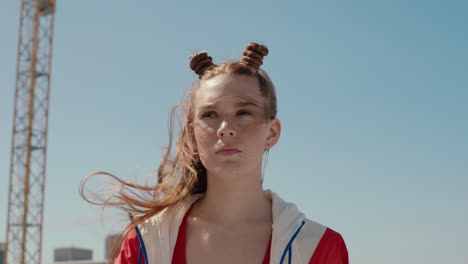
(236, 201)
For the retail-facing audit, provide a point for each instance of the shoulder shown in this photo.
(331, 249)
(315, 243)
(161, 229)
(169, 217)
(129, 249)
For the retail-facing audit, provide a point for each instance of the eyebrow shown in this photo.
(238, 104)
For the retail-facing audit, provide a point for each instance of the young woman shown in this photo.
(209, 205)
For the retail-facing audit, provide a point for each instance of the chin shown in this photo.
(228, 168)
(231, 169)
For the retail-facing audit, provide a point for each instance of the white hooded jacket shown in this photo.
(294, 237)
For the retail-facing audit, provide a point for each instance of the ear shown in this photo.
(274, 134)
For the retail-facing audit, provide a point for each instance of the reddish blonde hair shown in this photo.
(180, 175)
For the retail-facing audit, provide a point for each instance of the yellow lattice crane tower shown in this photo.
(29, 138)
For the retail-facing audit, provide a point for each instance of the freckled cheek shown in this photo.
(255, 131)
(204, 135)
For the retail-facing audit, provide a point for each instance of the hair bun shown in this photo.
(253, 56)
(200, 62)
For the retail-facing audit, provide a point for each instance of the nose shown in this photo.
(227, 128)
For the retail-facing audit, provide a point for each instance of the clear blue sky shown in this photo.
(372, 97)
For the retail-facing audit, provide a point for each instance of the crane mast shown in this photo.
(29, 137)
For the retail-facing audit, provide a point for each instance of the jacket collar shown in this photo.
(287, 219)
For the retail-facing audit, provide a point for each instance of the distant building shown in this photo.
(2, 252)
(70, 254)
(110, 240)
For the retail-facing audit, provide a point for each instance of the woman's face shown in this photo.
(230, 127)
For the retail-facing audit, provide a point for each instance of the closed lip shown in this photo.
(227, 149)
